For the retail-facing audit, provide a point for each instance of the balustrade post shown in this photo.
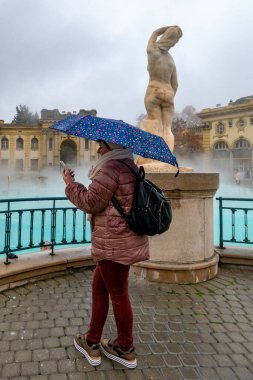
(221, 222)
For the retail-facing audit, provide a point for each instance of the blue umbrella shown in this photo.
(143, 143)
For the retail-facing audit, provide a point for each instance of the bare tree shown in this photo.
(24, 116)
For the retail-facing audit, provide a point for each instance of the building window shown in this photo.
(19, 143)
(242, 144)
(5, 143)
(206, 126)
(34, 144)
(241, 123)
(4, 163)
(220, 128)
(221, 145)
(19, 164)
(86, 144)
(34, 164)
(230, 123)
(50, 143)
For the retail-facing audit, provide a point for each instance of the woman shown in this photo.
(114, 248)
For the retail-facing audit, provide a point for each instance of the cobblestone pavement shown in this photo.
(202, 331)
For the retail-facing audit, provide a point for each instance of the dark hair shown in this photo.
(105, 143)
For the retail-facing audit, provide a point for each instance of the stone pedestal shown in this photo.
(185, 253)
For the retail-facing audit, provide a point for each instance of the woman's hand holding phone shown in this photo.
(68, 174)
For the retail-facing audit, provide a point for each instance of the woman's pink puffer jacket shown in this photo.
(111, 237)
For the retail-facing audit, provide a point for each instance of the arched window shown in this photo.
(19, 143)
(5, 143)
(50, 143)
(34, 143)
(242, 144)
(221, 145)
(220, 128)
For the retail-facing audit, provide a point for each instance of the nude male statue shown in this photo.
(162, 86)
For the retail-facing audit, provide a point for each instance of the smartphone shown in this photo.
(63, 165)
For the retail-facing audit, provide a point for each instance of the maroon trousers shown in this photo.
(111, 279)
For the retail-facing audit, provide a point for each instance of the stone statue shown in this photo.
(162, 86)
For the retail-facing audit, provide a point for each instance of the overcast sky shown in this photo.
(73, 54)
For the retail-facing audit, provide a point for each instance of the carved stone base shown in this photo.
(185, 253)
(177, 274)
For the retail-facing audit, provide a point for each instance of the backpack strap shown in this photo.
(116, 203)
(129, 167)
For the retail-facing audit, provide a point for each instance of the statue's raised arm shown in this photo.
(162, 87)
(153, 38)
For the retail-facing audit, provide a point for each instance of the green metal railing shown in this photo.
(235, 221)
(31, 223)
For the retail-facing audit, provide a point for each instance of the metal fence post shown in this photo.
(221, 222)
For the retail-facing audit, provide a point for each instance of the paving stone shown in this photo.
(189, 348)
(83, 366)
(223, 348)
(6, 357)
(66, 366)
(77, 376)
(172, 360)
(66, 341)
(58, 377)
(71, 330)
(4, 346)
(171, 374)
(23, 356)
(157, 348)
(29, 369)
(10, 335)
(223, 337)
(96, 376)
(249, 357)
(189, 373)
(243, 373)
(46, 323)
(72, 352)
(207, 338)
(205, 348)
(223, 360)
(174, 348)
(188, 360)
(207, 373)
(48, 367)
(224, 373)
(114, 374)
(52, 342)
(58, 353)
(11, 370)
(152, 374)
(146, 337)
(143, 349)
(34, 344)
(205, 360)
(41, 333)
(40, 355)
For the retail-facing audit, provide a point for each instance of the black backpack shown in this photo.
(151, 212)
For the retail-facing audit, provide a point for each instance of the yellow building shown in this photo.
(228, 135)
(26, 147)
